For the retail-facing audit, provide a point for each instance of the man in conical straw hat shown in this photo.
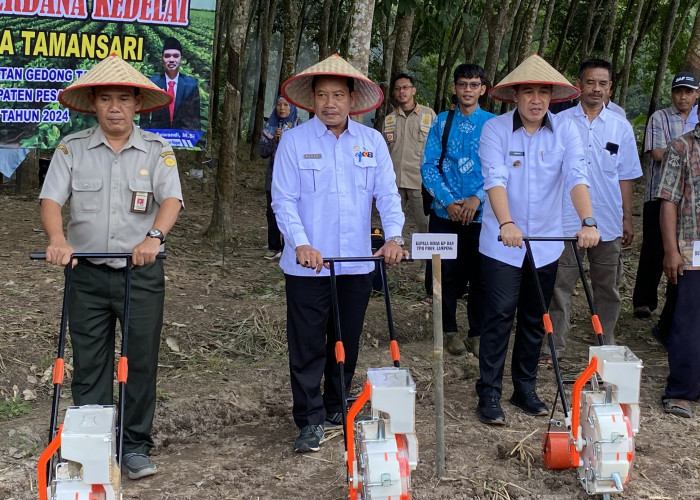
(530, 159)
(124, 192)
(327, 172)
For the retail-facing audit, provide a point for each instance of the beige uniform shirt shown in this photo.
(406, 136)
(114, 197)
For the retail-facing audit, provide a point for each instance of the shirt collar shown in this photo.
(168, 79)
(135, 140)
(321, 128)
(398, 110)
(579, 112)
(473, 114)
(517, 122)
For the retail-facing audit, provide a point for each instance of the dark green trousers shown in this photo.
(96, 302)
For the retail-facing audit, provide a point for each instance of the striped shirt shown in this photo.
(680, 184)
(663, 126)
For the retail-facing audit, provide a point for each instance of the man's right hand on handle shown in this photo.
(511, 235)
(308, 256)
(59, 253)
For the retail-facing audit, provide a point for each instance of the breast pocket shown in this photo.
(87, 195)
(141, 196)
(311, 174)
(364, 174)
(609, 163)
(552, 159)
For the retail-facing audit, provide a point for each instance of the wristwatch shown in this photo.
(397, 239)
(156, 233)
(589, 222)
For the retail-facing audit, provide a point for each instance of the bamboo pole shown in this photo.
(438, 368)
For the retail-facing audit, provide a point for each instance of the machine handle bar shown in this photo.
(546, 238)
(92, 255)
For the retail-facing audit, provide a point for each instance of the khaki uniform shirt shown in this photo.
(114, 197)
(405, 137)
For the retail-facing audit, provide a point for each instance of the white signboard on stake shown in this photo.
(425, 245)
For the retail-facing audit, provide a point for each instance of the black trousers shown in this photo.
(461, 274)
(684, 342)
(510, 289)
(651, 258)
(274, 237)
(96, 302)
(311, 339)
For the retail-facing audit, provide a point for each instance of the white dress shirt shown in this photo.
(322, 191)
(692, 120)
(536, 171)
(617, 109)
(611, 157)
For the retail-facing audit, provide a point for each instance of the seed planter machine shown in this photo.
(83, 458)
(381, 451)
(603, 419)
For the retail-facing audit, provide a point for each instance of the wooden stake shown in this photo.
(438, 368)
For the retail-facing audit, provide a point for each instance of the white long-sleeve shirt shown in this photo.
(611, 157)
(536, 171)
(322, 191)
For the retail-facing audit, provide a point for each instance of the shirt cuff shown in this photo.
(300, 239)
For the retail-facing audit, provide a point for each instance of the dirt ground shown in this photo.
(223, 426)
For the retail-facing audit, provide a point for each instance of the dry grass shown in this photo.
(258, 334)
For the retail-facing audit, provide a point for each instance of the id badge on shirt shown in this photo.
(140, 202)
(696, 253)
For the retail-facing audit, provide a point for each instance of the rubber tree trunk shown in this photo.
(610, 30)
(563, 36)
(544, 38)
(528, 30)
(631, 39)
(323, 29)
(664, 49)
(360, 37)
(225, 192)
(692, 55)
(388, 37)
(290, 48)
(397, 45)
(267, 20)
(497, 28)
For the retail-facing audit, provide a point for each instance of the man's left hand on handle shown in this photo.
(588, 236)
(145, 252)
(392, 252)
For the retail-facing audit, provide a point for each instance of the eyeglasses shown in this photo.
(403, 87)
(472, 85)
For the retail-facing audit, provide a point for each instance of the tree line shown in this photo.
(261, 43)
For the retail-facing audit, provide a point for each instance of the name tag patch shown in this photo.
(312, 156)
(140, 201)
(516, 153)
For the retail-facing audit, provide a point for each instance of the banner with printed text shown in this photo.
(47, 44)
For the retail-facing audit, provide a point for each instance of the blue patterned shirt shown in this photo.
(461, 169)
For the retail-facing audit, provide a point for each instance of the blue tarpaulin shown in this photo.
(10, 159)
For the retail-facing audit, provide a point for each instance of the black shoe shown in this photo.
(309, 439)
(489, 411)
(659, 336)
(529, 403)
(642, 312)
(333, 420)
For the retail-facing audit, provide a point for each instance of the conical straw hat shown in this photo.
(113, 70)
(297, 89)
(533, 70)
